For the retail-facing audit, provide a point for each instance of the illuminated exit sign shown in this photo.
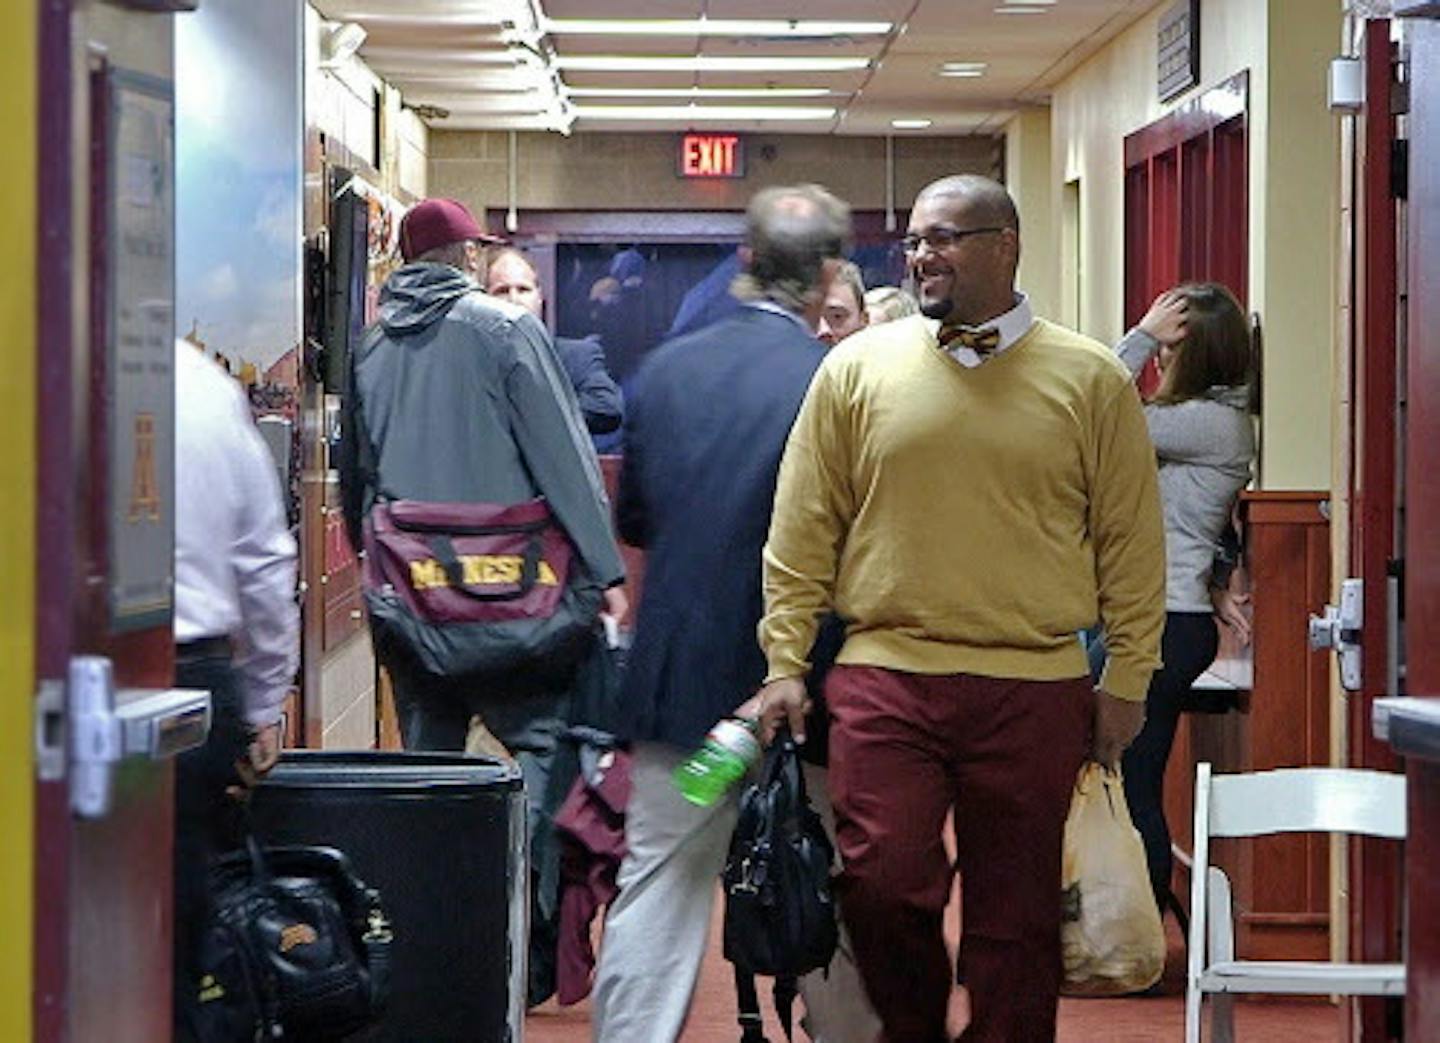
(712, 155)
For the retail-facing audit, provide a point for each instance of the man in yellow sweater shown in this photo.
(967, 497)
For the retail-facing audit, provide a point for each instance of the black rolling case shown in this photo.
(442, 837)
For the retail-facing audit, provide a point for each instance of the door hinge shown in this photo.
(1340, 629)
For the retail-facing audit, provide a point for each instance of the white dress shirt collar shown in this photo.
(1012, 327)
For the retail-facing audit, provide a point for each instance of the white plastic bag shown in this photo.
(1111, 935)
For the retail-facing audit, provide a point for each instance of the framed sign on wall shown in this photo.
(1178, 54)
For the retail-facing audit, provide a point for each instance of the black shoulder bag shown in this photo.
(296, 947)
(779, 910)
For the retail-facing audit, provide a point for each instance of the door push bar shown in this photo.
(88, 726)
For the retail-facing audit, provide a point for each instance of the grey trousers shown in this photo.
(656, 930)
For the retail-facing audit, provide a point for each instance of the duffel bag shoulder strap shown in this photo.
(443, 548)
(747, 1000)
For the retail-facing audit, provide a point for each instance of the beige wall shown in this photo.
(1302, 203)
(1027, 173)
(1293, 197)
(637, 171)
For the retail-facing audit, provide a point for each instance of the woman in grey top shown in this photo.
(1204, 442)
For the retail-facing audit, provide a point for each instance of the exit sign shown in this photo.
(712, 155)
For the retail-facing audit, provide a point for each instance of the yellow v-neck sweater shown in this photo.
(969, 520)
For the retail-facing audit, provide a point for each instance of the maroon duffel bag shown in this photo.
(473, 588)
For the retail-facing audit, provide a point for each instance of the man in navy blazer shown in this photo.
(510, 276)
(705, 429)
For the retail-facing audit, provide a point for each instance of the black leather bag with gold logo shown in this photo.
(297, 947)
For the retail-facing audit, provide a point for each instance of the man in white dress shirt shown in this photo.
(237, 626)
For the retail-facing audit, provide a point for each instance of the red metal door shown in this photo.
(102, 905)
(1374, 864)
(1422, 513)
(1186, 216)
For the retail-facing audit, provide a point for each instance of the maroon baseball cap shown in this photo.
(437, 222)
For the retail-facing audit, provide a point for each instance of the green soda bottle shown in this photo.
(729, 750)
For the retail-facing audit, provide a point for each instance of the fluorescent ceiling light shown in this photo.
(706, 63)
(767, 27)
(1022, 10)
(749, 93)
(910, 124)
(705, 113)
(427, 58)
(963, 69)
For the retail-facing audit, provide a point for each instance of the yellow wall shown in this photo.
(18, 49)
(621, 171)
(1027, 174)
(1293, 196)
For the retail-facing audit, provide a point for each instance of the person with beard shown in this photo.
(968, 489)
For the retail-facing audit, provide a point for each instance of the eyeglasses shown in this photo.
(939, 237)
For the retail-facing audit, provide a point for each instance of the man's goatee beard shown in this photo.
(937, 310)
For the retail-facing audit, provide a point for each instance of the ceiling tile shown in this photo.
(829, 10)
(437, 49)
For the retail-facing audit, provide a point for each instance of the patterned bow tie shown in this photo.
(982, 341)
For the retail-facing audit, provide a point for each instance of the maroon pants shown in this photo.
(906, 749)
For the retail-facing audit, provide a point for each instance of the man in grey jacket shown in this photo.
(463, 400)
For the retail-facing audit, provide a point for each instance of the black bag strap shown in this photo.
(752, 1025)
(784, 766)
(444, 550)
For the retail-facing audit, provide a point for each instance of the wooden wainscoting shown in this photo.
(1282, 884)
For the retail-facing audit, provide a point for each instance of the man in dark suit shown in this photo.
(510, 276)
(705, 430)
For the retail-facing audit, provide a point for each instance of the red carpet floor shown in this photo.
(1149, 1020)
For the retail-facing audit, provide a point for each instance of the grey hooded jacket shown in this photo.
(464, 400)
(1204, 447)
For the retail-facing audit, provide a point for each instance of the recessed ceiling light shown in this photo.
(751, 93)
(706, 63)
(1017, 9)
(963, 69)
(769, 27)
(704, 113)
(910, 124)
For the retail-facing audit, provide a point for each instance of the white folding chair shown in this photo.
(1289, 800)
